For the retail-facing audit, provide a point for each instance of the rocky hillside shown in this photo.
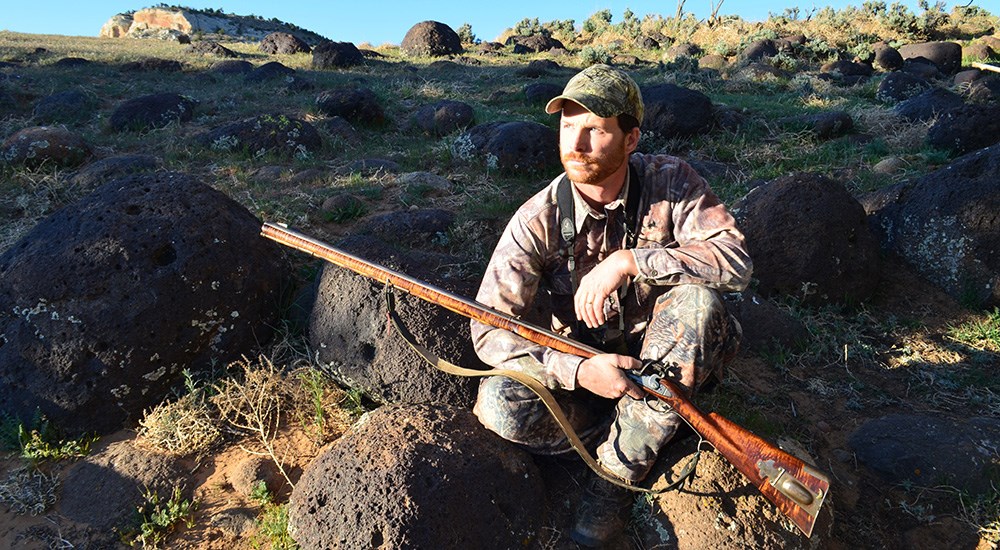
(177, 21)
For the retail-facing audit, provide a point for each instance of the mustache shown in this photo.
(578, 157)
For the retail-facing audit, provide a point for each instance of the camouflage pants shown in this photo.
(689, 331)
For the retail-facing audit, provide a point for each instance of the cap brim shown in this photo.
(555, 104)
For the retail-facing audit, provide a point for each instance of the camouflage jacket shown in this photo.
(687, 237)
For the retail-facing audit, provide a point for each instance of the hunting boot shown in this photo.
(601, 516)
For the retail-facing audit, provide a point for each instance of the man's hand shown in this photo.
(604, 375)
(596, 286)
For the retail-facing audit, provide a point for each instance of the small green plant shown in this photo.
(273, 528)
(353, 402)
(40, 441)
(260, 494)
(314, 384)
(157, 520)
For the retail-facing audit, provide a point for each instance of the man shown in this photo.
(628, 254)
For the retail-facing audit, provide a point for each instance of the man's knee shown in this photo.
(691, 304)
(507, 407)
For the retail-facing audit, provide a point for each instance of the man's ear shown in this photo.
(632, 140)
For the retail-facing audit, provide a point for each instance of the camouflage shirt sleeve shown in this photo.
(510, 285)
(687, 235)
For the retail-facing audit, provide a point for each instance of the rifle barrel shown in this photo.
(794, 487)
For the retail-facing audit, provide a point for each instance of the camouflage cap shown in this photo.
(603, 90)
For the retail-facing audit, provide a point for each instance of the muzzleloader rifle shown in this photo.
(797, 489)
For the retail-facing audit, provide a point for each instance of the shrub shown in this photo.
(591, 55)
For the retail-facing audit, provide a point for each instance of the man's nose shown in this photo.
(581, 143)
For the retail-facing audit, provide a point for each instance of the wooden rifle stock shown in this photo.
(797, 489)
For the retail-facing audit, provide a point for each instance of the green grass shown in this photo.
(981, 332)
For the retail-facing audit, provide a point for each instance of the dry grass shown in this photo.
(183, 427)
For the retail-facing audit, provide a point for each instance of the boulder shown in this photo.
(825, 125)
(888, 58)
(356, 104)
(947, 56)
(535, 43)
(839, 260)
(269, 71)
(98, 172)
(681, 50)
(931, 451)
(275, 134)
(152, 64)
(928, 105)
(847, 68)
(72, 62)
(512, 147)
(336, 55)
(337, 127)
(922, 68)
(40, 145)
(66, 107)
(348, 329)
(104, 303)
(674, 111)
(432, 477)
(283, 43)
(431, 39)
(539, 67)
(713, 61)
(539, 93)
(944, 225)
(977, 52)
(646, 43)
(231, 67)
(760, 49)
(152, 111)
(210, 47)
(443, 117)
(899, 86)
(966, 128)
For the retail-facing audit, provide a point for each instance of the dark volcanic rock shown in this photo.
(838, 263)
(766, 327)
(539, 93)
(231, 67)
(347, 323)
(67, 107)
(45, 144)
(152, 64)
(514, 147)
(336, 55)
(263, 134)
(888, 58)
(535, 43)
(102, 171)
(105, 302)
(431, 38)
(211, 48)
(966, 128)
(945, 225)
(356, 104)
(759, 50)
(826, 125)
(431, 476)
(152, 111)
(673, 111)
(283, 43)
(931, 451)
(269, 71)
(946, 55)
(896, 87)
(443, 117)
(928, 105)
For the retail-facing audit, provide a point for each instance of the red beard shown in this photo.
(595, 169)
